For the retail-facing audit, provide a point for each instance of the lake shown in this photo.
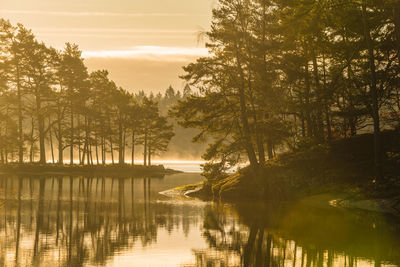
(105, 221)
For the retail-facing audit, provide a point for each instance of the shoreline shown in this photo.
(109, 170)
(342, 169)
(322, 199)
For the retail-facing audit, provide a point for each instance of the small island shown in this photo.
(124, 170)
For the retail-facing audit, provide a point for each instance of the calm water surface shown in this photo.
(105, 221)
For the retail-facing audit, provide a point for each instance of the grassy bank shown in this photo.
(109, 170)
(344, 168)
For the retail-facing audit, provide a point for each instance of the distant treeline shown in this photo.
(181, 145)
(292, 74)
(50, 104)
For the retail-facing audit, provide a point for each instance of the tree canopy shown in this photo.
(281, 74)
(49, 95)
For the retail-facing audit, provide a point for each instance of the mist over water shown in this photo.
(185, 166)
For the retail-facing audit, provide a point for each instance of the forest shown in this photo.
(52, 108)
(280, 76)
(294, 110)
(288, 75)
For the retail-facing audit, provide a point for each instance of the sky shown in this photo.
(143, 43)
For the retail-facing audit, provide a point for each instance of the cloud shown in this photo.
(119, 36)
(88, 14)
(115, 33)
(110, 30)
(151, 53)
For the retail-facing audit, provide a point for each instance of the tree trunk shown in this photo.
(120, 137)
(326, 105)
(133, 149)
(149, 148)
(307, 108)
(82, 154)
(60, 136)
(32, 141)
(270, 149)
(123, 146)
(87, 136)
(353, 126)
(20, 120)
(111, 145)
(264, 33)
(81, 159)
(374, 96)
(91, 154)
(97, 150)
(51, 142)
(103, 156)
(88, 130)
(302, 117)
(145, 149)
(71, 141)
(243, 117)
(6, 134)
(112, 151)
(40, 120)
(248, 144)
(320, 128)
(258, 132)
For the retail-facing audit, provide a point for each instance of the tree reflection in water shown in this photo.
(74, 221)
(80, 221)
(297, 235)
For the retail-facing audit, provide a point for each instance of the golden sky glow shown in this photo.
(149, 52)
(142, 43)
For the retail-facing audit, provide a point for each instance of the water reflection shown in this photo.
(297, 235)
(101, 221)
(76, 221)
